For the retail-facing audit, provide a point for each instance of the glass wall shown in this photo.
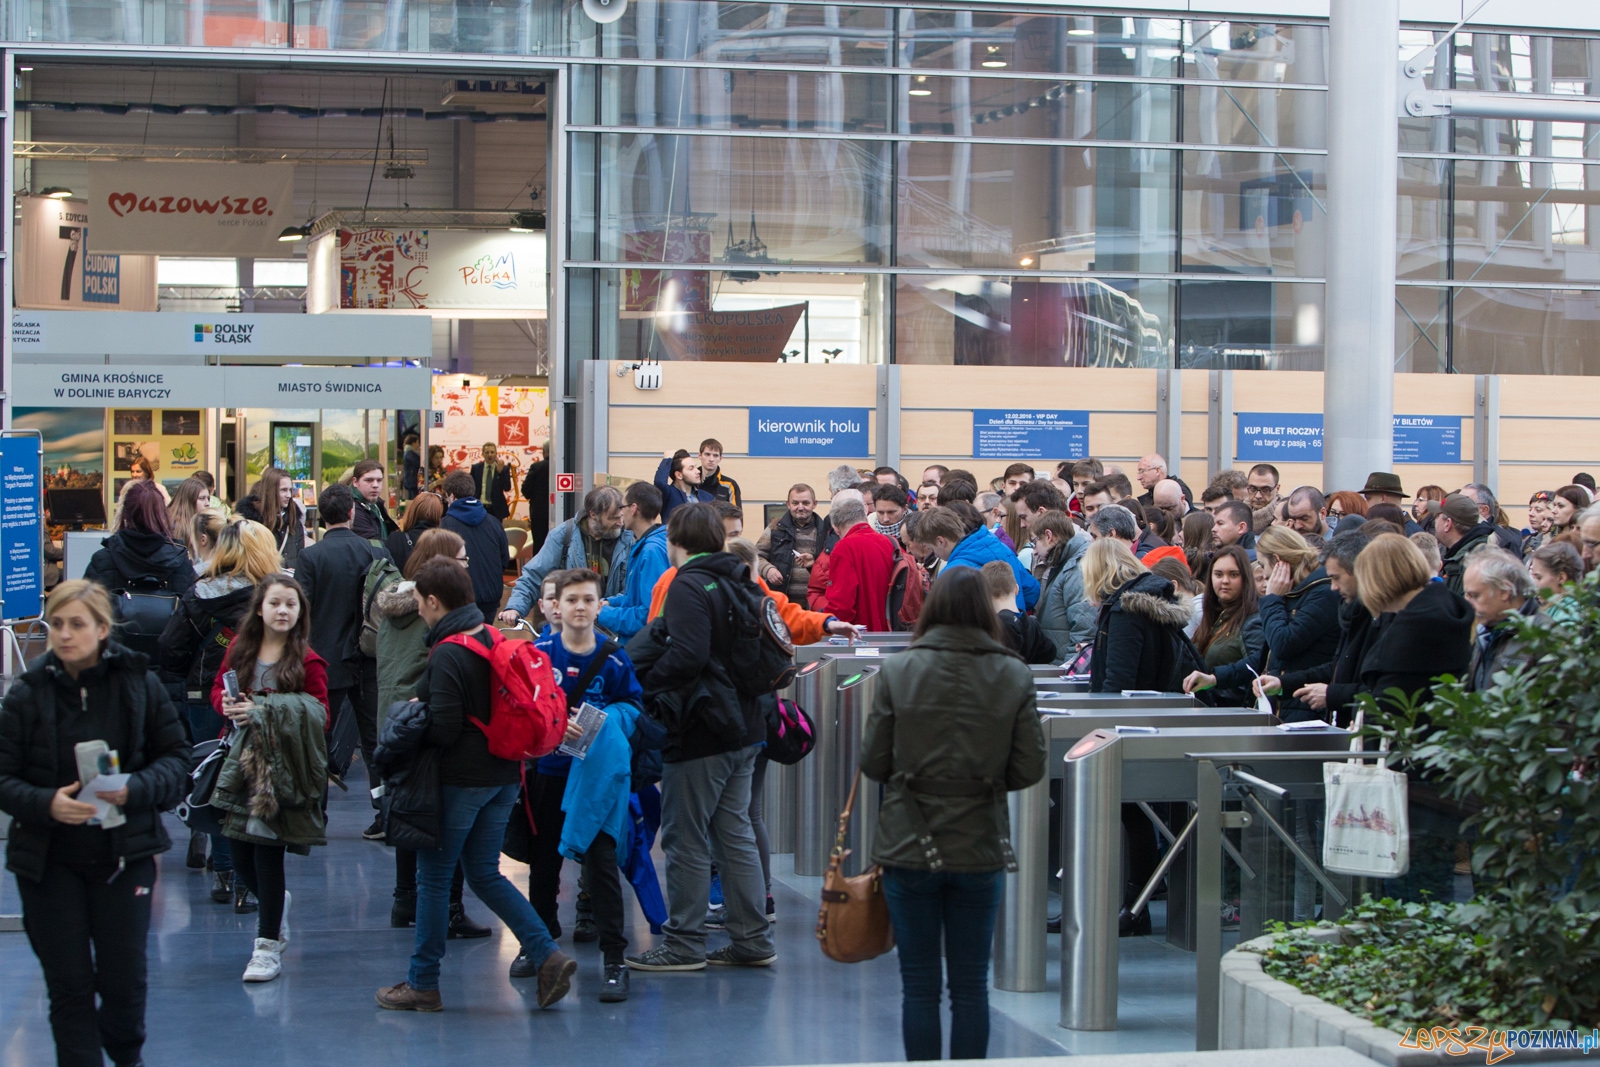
(1062, 187)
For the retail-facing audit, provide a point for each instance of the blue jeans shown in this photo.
(951, 914)
(473, 827)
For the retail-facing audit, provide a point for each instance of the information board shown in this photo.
(1001, 433)
(21, 512)
(1427, 438)
(1278, 437)
(810, 431)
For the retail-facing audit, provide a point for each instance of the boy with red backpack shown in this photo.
(490, 703)
(579, 808)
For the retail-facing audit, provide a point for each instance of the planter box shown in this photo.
(1259, 1011)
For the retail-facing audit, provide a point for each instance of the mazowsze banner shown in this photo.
(191, 209)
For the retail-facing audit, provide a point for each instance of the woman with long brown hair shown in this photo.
(423, 513)
(192, 496)
(1230, 636)
(271, 502)
(402, 655)
(276, 774)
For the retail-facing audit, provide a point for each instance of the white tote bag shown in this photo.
(1367, 833)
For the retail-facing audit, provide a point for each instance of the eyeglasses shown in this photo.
(1260, 490)
(1332, 514)
(463, 558)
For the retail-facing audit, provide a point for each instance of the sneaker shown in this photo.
(375, 832)
(244, 902)
(614, 984)
(585, 929)
(403, 998)
(196, 859)
(555, 977)
(283, 923)
(462, 926)
(523, 967)
(717, 917)
(222, 887)
(662, 958)
(728, 956)
(265, 962)
(772, 911)
(716, 888)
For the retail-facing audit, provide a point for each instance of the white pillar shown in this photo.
(1363, 139)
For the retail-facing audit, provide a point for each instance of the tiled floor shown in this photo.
(805, 1009)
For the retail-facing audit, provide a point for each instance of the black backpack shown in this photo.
(143, 607)
(761, 655)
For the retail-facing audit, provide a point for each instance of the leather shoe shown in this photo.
(403, 998)
(461, 926)
(1133, 925)
(522, 967)
(555, 977)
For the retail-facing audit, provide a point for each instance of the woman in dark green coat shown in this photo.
(953, 728)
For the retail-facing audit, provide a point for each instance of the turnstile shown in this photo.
(816, 777)
(827, 774)
(1105, 769)
(1021, 941)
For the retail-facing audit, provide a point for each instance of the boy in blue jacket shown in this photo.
(580, 808)
(626, 613)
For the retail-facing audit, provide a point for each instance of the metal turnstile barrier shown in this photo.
(1104, 770)
(816, 776)
(1021, 942)
(853, 701)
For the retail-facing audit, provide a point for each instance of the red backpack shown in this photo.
(527, 706)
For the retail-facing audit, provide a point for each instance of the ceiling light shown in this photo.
(994, 64)
(294, 233)
(1025, 261)
(528, 222)
(921, 92)
(1080, 33)
(24, 69)
(57, 192)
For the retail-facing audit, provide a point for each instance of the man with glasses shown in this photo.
(1152, 470)
(1308, 512)
(1261, 493)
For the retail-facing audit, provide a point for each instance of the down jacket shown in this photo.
(410, 771)
(1302, 631)
(402, 645)
(1139, 641)
(156, 755)
(953, 728)
(199, 632)
(276, 774)
(1064, 612)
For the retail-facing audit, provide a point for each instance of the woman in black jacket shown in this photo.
(1139, 643)
(422, 514)
(1423, 630)
(145, 566)
(88, 886)
(271, 502)
(1299, 614)
(192, 646)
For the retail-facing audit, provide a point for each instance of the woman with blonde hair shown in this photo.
(203, 531)
(1299, 613)
(191, 496)
(193, 644)
(86, 890)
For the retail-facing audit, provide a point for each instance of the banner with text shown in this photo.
(1296, 437)
(191, 209)
(21, 513)
(999, 433)
(173, 337)
(59, 268)
(55, 385)
(810, 431)
(470, 269)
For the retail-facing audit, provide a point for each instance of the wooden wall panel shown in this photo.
(1070, 388)
(1549, 397)
(659, 430)
(1569, 442)
(1118, 436)
(925, 434)
(1277, 390)
(1434, 394)
(692, 384)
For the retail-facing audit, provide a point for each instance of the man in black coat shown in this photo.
(1460, 529)
(536, 491)
(491, 483)
(487, 550)
(332, 572)
(708, 755)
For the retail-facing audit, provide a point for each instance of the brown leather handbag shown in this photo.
(853, 923)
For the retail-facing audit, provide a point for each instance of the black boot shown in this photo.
(244, 902)
(1133, 925)
(461, 926)
(222, 886)
(404, 910)
(196, 859)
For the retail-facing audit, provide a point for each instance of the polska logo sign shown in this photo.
(225, 333)
(125, 204)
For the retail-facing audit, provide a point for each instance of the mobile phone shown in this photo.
(230, 685)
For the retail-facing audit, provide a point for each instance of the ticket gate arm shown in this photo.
(1166, 863)
(1247, 784)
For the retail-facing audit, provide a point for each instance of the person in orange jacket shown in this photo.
(805, 627)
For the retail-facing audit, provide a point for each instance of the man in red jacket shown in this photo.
(859, 567)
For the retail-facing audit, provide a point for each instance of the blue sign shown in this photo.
(21, 513)
(1001, 433)
(102, 278)
(1427, 438)
(1279, 437)
(810, 431)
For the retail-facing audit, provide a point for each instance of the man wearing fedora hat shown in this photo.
(1384, 488)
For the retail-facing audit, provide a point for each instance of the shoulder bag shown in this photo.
(853, 923)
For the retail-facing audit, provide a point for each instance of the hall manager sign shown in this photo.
(191, 209)
(809, 431)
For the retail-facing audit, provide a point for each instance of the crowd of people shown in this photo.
(194, 626)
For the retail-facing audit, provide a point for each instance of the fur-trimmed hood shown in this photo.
(1152, 597)
(396, 601)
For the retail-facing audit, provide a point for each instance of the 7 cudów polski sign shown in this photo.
(810, 431)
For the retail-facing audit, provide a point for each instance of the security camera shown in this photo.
(604, 11)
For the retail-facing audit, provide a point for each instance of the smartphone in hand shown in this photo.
(230, 686)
